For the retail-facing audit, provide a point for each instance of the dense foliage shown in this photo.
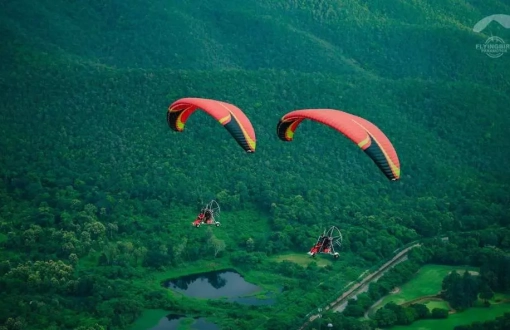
(460, 291)
(97, 195)
(500, 323)
(393, 314)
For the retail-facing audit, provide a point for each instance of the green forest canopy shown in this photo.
(85, 146)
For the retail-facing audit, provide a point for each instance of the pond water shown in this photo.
(215, 284)
(173, 322)
(227, 284)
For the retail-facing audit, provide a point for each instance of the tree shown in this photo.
(73, 258)
(439, 313)
(354, 309)
(486, 292)
(422, 312)
(217, 244)
(385, 317)
(250, 244)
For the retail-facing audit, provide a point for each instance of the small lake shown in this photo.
(227, 284)
(216, 284)
(174, 322)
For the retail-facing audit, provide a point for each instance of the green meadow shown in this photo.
(303, 259)
(477, 314)
(427, 282)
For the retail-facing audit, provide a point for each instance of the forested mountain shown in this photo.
(90, 170)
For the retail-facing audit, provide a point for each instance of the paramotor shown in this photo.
(209, 215)
(326, 243)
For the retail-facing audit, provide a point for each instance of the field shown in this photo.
(431, 304)
(427, 282)
(467, 317)
(304, 259)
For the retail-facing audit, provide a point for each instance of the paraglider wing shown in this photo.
(362, 132)
(502, 19)
(230, 116)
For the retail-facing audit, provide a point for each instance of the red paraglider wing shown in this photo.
(362, 132)
(230, 116)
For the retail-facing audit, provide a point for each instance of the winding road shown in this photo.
(354, 290)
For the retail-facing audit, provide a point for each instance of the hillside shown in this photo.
(84, 87)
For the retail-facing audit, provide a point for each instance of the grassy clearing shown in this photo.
(149, 319)
(467, 317)
(426, 282)
(302, 259)
(500, 297)
(268, 281)
(431, 304)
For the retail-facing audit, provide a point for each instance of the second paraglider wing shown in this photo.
(360, 131)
